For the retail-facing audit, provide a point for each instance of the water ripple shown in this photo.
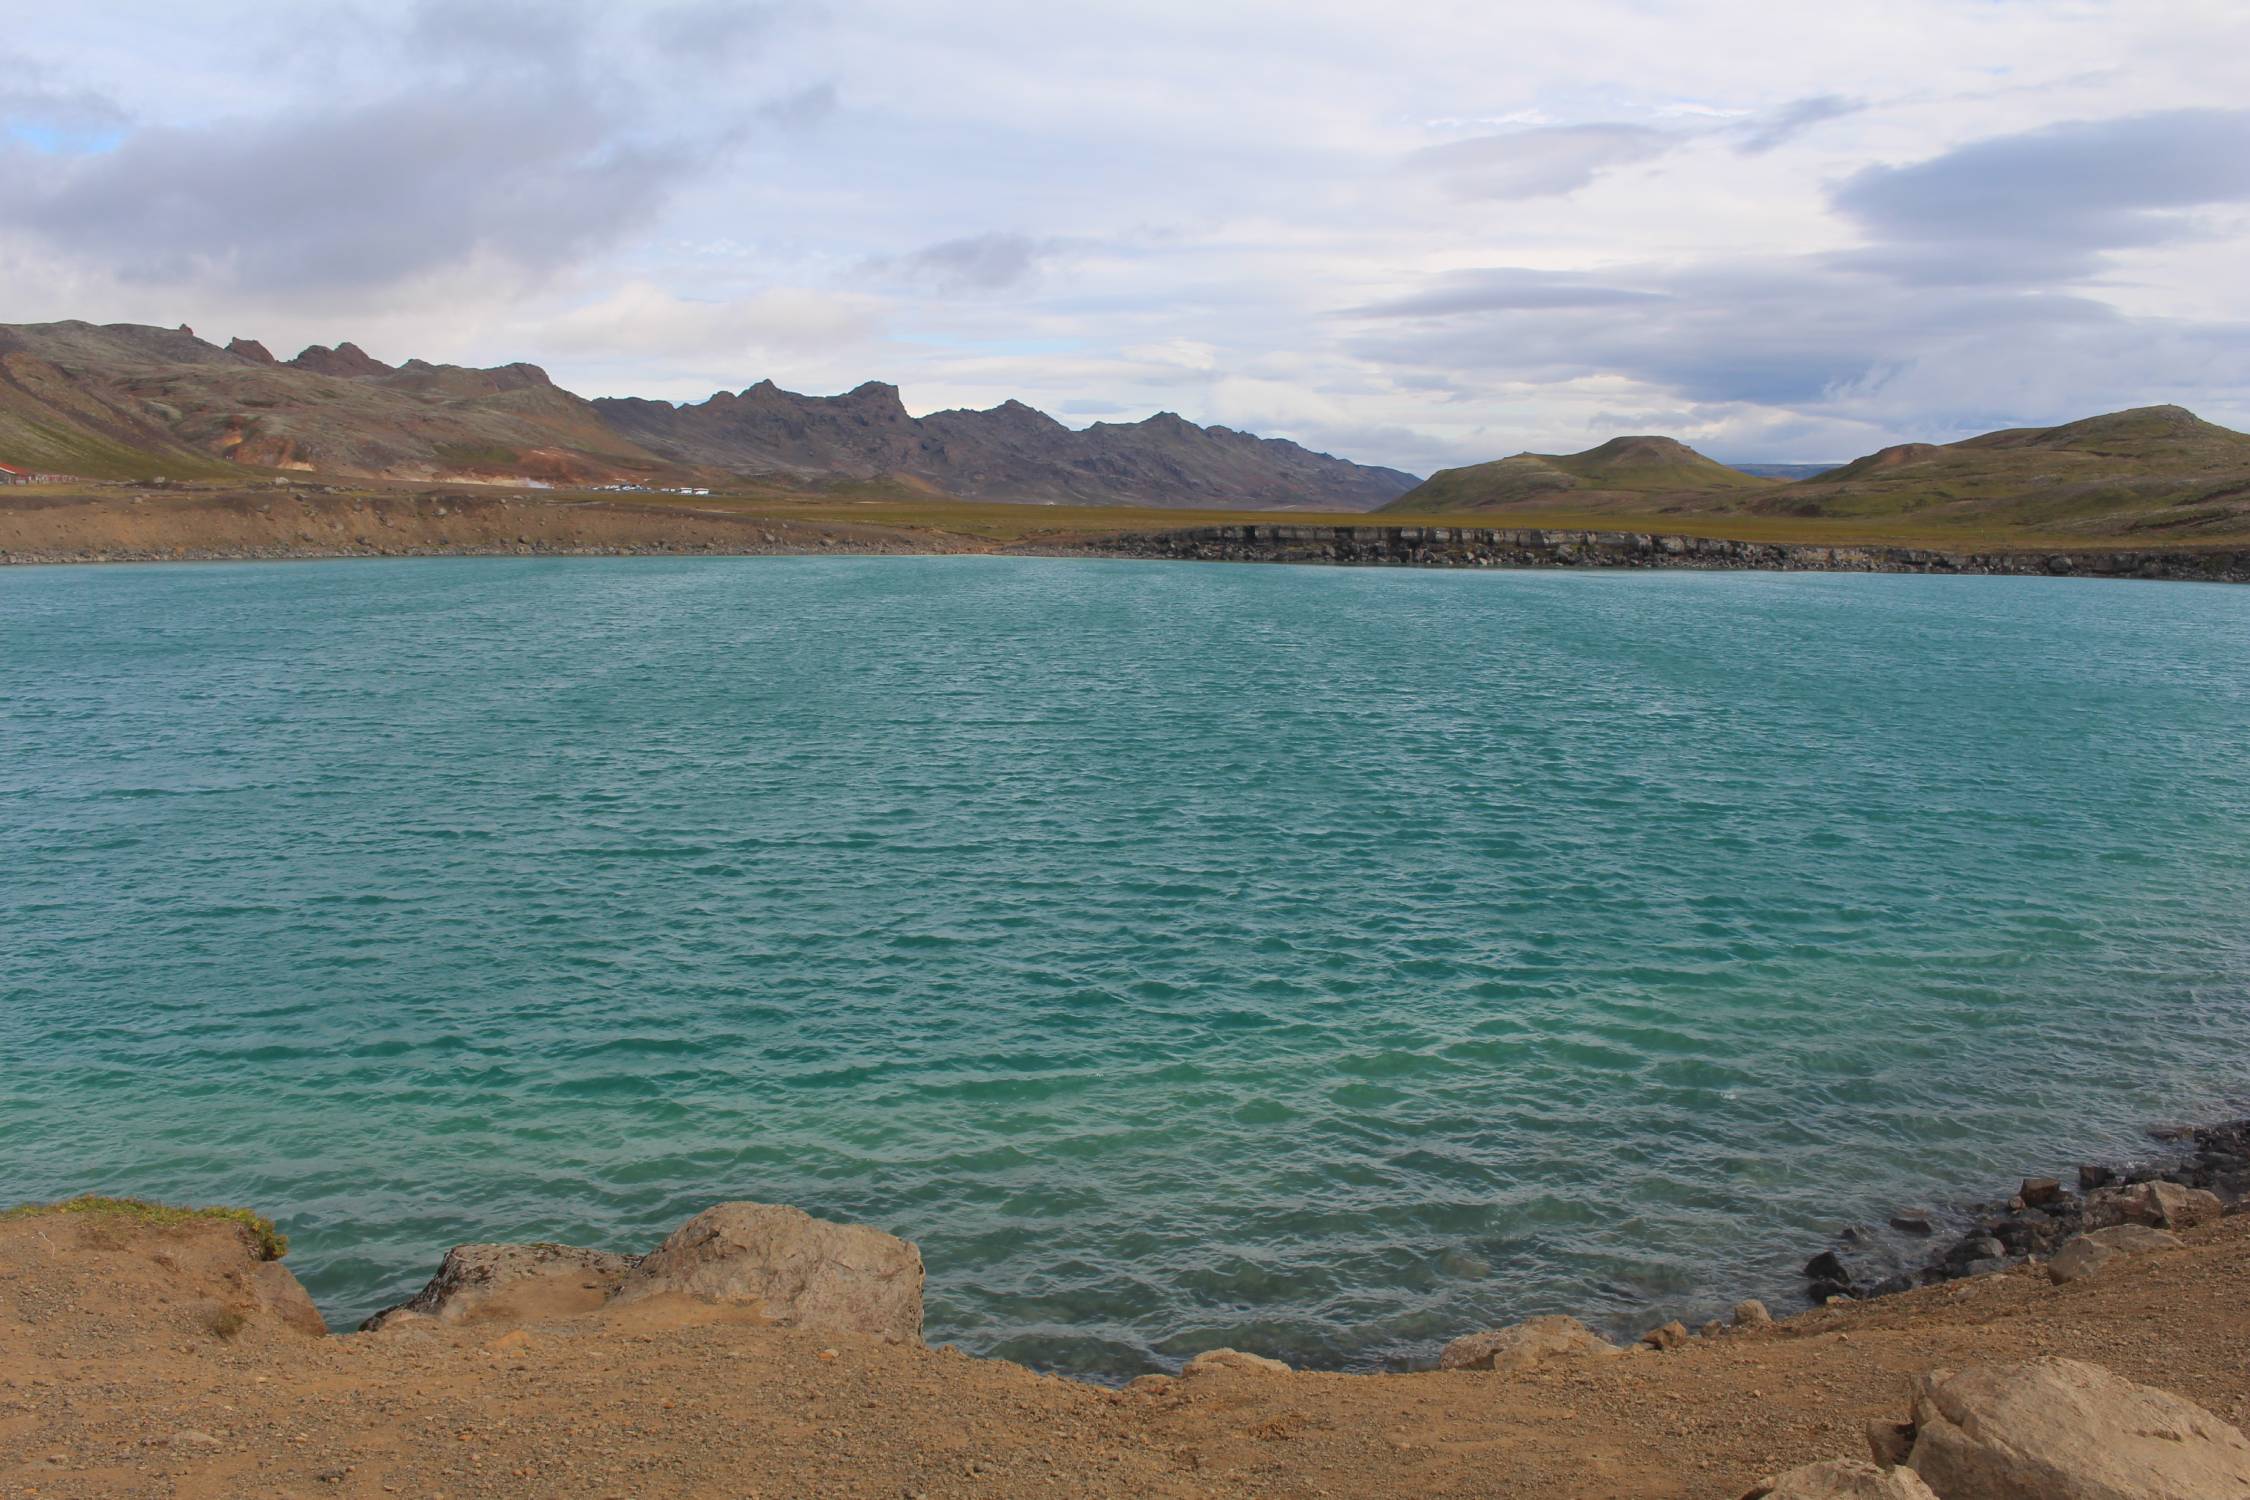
(1323, 961)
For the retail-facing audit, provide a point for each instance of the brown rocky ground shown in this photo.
(154, 1361)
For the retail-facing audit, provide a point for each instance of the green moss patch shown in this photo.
(478, 456)
(272, 1243)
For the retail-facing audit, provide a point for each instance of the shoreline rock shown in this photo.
(2061, 1429)
(2042, 1429)
(525, 1280)
(1535, 1341)
(787, 1268)
(2087, 1254)
(796, 1271)
(2204, 1174)
(1213, 1360)
(224, 1262)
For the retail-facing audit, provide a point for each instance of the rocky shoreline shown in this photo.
(1525, 547)
(1394, 547)
(2200, 1174)
(757, 1350)
(309, 522)
(797, 1268)
(2062, 1231)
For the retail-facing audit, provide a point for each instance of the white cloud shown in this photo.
(645, 321)
(1611, 212)
(1183, 354)
(1544, 161)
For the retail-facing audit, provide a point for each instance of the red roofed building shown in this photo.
(10, 475)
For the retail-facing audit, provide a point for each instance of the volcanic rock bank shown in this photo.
(1518, 547)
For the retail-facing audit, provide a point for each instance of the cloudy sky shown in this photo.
(1415, 233)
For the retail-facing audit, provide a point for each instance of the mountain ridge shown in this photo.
(1011, 451)
(111, 401)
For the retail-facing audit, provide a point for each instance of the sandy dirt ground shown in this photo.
(155, 1363)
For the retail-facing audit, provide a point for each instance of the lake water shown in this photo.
(1321, 961)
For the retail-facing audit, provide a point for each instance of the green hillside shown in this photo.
(1624, 471)
(2152, 468)
(2154, 474)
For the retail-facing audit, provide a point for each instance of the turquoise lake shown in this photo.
(1321, 961)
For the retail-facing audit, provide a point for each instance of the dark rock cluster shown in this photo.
(2200, 1172)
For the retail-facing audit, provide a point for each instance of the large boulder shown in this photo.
(1671, 1335)
(2159, 1205)
(1827, 1276)
(1842, 1479)
(2059, 1429)
(1211, 1360)
(1533, 1342)
(2088, 1254)
(790, 1269)
(511, 1283)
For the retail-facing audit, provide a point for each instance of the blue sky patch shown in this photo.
(62, 140)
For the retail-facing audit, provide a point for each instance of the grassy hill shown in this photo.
(1624, 473)
(2152, 475)
(2153, 471)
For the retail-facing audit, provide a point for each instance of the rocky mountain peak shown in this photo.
(877, 396)
(346, 361)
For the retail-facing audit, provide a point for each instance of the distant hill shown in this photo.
(2158, 472)
(1625, 472)
(1784, 471)
(123, 401)
(2150, 448)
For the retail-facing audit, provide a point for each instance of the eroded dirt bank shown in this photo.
(148, 1361)
(125, 526)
